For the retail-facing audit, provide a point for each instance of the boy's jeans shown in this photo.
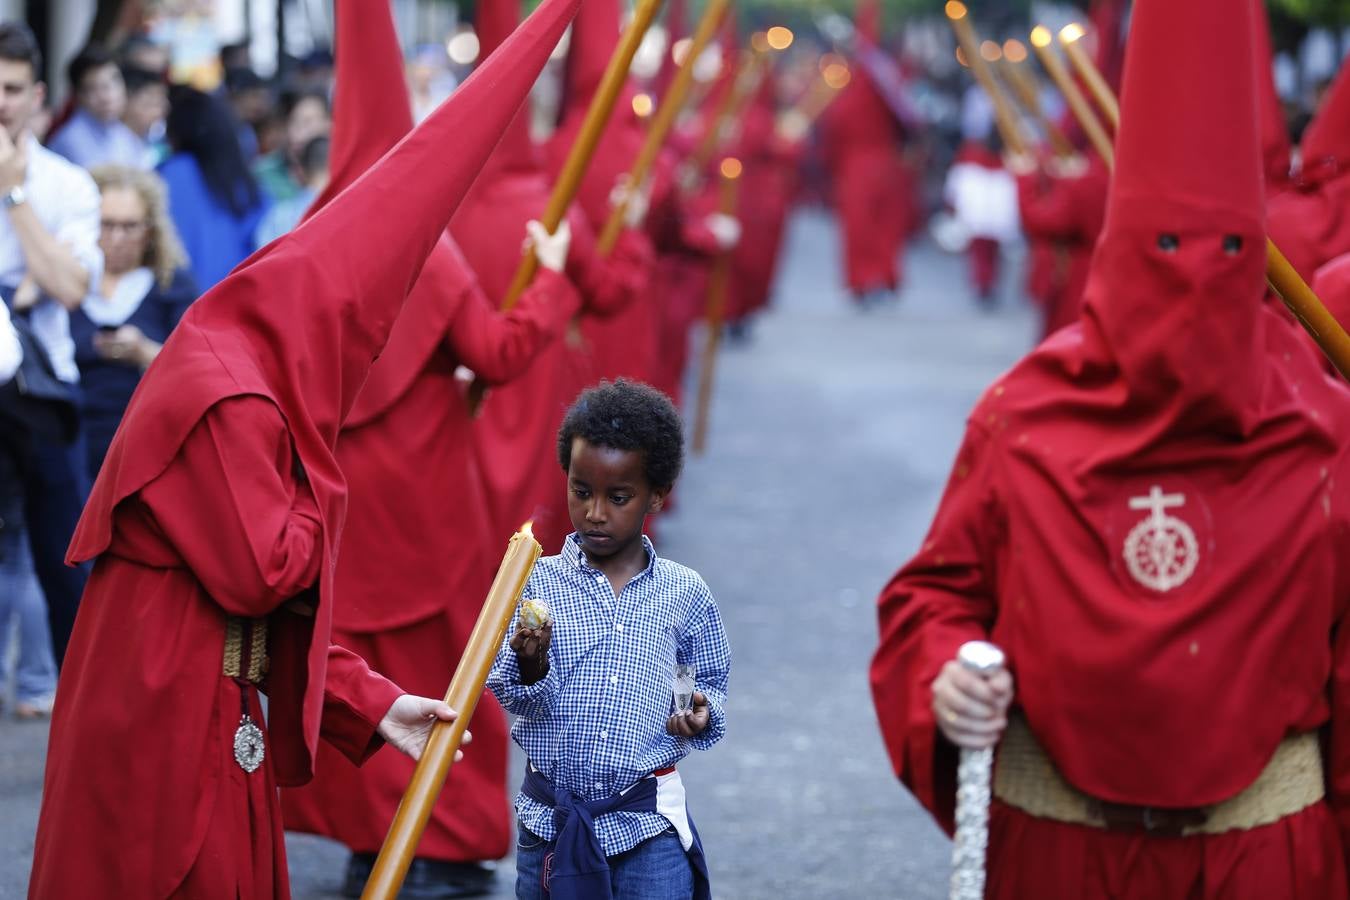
(656, 869)
(21, 598)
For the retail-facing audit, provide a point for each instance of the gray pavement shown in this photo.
(832, 433)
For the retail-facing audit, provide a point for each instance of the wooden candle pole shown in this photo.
(1070, 38)
(400, 845)
(578, 160)
(592, 127)
(1041, 40)
(664, 120)
(718, 284)
(1027, 92)
(727, 107)
(1004, 118)
(1290, 287)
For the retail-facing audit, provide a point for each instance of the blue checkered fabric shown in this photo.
(597, 723)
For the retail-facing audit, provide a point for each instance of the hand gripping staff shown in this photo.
(973, 777)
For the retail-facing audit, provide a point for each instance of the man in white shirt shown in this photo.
(49, 261)
(11, 354)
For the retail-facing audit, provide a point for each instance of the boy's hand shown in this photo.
(688, 723)
(531, 648)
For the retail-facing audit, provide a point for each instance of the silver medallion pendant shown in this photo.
(248, 745)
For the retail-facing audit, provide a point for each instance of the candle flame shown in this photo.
(1014, 51)
(642, 105)
(1071, 32)
(779, 38)
(528, 528)
(955, 9)
(836, 75)
(1040, 36)
(731, 168)
(990, 51)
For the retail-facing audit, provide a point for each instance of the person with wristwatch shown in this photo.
(49, 229)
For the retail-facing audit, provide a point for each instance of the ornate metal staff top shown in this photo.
(972, 790)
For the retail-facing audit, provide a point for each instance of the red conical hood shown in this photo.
(494, 22)
(867, 21)
(1275, 145)
(595, 33)
(1326, 142)
(301, 321)
(1176, 281)
(371, 109)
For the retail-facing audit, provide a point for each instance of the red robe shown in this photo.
(145, 669)
(1062, 218)
(624, 342)
(516, 432)
(764, 198)
(414, 483)
(872, 187)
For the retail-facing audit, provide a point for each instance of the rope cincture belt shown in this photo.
(1025, 778)
(245, 649)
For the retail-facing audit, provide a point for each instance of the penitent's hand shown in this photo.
(971, 710)
(531, 647)
(408, 724)
(690, 722)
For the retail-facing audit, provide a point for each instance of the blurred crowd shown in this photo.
(121, 207)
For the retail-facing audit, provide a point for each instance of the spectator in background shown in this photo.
(141, 52)
(49, 215)
(280, 173)
(20, 595)
(284, 216)
(147, 108)
(251, 100)
(144, 292)
(95, 134)
(429, 82)
(213, 200)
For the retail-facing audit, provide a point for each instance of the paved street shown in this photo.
(832, 433)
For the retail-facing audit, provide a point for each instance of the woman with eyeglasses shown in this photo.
(146, 288)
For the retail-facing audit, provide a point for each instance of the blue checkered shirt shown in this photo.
(597, 723)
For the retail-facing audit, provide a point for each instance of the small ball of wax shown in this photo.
(534, 613)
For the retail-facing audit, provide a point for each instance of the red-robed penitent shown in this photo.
(408, 600)
(1149, 514)
(1061, 216)
(872, 187)
(222, 496)
(764, 199)
(624, 343)
(515, 434)
(1310, 222)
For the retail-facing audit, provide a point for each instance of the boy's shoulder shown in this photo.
(681, 577)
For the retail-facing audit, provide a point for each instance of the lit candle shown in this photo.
(466, 687)
(1004, 118)
(1041, 40)
(1071, 38)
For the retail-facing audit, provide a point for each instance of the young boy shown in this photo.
(602, 810)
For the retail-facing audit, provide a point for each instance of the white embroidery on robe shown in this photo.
(1161, 552)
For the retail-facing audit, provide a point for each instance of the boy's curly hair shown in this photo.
(627, 415)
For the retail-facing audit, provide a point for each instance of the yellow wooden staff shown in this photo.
(664, 120)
